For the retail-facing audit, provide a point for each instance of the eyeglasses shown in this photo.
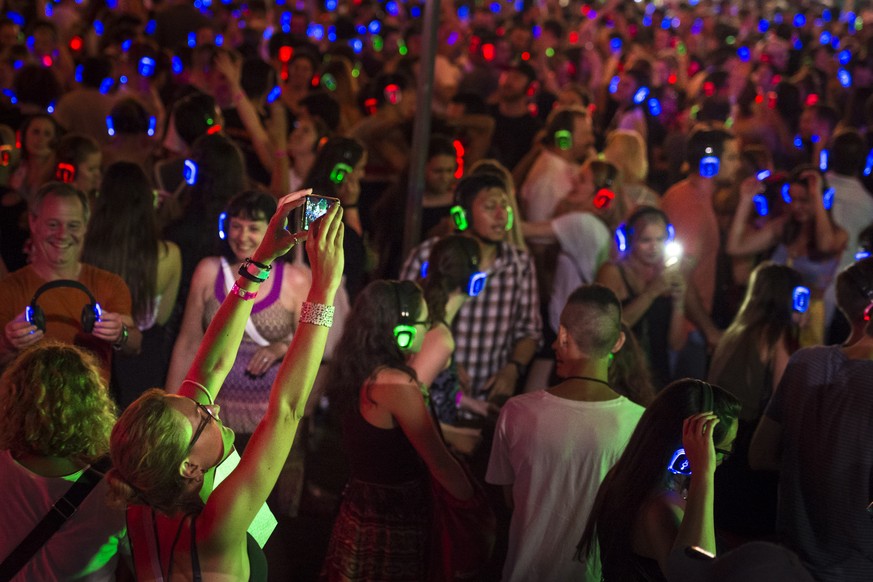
(725, 455)
(211, 411)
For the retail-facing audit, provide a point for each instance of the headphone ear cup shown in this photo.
(90, 315)
(404, 335)
(459, 215)
(35, 316)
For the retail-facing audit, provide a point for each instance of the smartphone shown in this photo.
(314, 206)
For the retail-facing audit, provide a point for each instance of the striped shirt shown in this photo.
(489, 325)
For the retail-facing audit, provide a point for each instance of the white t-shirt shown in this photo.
(87, 545)
(549, 180)
(555, 453)
(585, 243)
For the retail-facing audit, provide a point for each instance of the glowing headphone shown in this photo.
(604, 195)
(679, 464)
(625, 231)
(563, 140)
(392, 93)
(65, 173)
(146, 66)
(91, 312)
(709, 163)
(462, 223)
(339, 172)
(800, 299)
(5, 155)
(404, 332)
(222, 226)
(190, 172)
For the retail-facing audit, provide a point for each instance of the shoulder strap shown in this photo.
(59, 513)
(250, 326)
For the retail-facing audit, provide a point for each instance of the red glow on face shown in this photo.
(488, 51)
(603, 198)
(459, 159)
(811, 99)
(285, 53)
(574, 37)
(672, 79)
(214, 129)
(76, 43)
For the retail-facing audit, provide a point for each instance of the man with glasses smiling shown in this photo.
(497, 332)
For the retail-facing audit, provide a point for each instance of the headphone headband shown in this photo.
(91, 312)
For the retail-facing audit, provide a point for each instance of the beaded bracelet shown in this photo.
(317, 314)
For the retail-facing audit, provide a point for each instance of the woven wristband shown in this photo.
(317, 314)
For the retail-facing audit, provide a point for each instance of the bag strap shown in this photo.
(60, 512)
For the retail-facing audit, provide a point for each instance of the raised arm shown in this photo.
(743, 240)
(698, 525)
(234, 504)
(830, 238)
(217, 351)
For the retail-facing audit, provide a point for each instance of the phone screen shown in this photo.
(313, 208)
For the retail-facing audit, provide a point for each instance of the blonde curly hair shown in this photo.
(54, 402)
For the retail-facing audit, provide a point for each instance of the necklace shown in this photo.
(589, 378)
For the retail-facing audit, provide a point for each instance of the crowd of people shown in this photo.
(643, 254)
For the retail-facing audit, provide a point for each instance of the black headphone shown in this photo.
(91, 312)
(679, 464)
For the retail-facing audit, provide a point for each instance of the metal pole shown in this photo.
(421, 131)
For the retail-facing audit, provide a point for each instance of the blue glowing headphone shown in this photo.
(91, 312)
(679, 464)
(191, 172)
(709, 163)
(222, 226)
(146, 66)
(800, 299)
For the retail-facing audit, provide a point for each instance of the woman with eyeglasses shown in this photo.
(165, 447)
(639, 506)
(390, 439)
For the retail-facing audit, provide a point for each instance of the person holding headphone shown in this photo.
(56, 295)
(652, 292)
(815, 431)
(390, 439)
(639, 507)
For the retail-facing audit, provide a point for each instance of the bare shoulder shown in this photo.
(389, 383)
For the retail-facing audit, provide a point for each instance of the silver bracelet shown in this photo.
(317, 314)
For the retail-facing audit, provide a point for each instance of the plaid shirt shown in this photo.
(489, 325)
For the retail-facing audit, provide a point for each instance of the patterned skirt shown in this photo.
(381, 533)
